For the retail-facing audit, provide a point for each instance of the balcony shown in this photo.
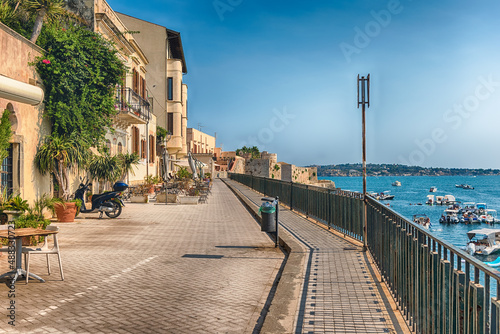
(132, 108)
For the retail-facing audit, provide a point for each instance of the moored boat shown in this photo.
(449, 216)
(433, 189)
(396, 184)
(385, 195)
(483, 241)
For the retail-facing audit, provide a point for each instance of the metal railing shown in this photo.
(126, 100)
(437, 287)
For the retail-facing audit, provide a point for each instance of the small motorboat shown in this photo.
(489, 217)
(422, 220)
(483, 241)
(445, 200)
(385, 196)
(396, 184)
(449, 216)
(469, 218)
(464, 186)
(495, 263)
(433, 189)
(430, 200)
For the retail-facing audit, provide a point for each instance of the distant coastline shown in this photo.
(398, 170)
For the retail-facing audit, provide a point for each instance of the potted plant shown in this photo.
(150, 181)
(61, 155)
(139, 194)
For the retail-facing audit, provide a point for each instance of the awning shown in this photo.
(18, 91)
(181, 163)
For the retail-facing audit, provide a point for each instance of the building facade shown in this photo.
(21, 93)
(165, 72)
(199, 142)
(135, 123)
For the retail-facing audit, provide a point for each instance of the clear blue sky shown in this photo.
(281, 75)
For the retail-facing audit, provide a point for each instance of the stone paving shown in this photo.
(157, 268)
(340, 295)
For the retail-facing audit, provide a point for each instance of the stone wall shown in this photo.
(28, 125)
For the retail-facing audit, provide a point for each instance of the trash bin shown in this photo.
(268, 213)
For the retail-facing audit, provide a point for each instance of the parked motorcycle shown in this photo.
(108, 202)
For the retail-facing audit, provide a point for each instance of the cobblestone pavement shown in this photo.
(339, 295)
(157, 268)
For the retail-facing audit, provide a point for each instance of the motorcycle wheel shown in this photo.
(117, 210)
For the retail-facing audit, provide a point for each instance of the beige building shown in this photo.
(199, 142)
(135, 123)
(164, 75)
(22, 94)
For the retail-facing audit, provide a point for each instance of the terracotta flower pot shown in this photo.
(66, 215)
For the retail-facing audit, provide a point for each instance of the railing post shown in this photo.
(307, 201)
(291, 195)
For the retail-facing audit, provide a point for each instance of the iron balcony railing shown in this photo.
(128, 101)
(438, 287)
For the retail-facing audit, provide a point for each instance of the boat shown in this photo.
(385, 196)
(449, 216)
(483, 241)
(468, 206)
(445, 200)
(469, 218)
(433, 189)
(396, 184)
(422, 220)
(481, 208)
(495, 263)
(464, 186)
(489, 217)
(430, 200)
(374, 195)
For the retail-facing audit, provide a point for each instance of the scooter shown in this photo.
(108, 202)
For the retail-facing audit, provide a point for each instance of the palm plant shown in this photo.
(44, 11)
(60, 155)
(105, 168)
(128, 161)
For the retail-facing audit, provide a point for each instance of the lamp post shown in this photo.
(364, 100)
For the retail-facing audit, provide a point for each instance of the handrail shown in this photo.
(437, 286)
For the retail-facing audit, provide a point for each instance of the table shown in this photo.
(17, 234)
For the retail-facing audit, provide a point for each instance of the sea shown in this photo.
(410, 197)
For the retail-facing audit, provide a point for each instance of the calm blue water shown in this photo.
(414, 190)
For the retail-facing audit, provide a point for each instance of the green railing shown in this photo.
(437, 287)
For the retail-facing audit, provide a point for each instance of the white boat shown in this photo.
(449, 216)
(483, 241)
(396, 184)
(385, 195)
(445, 200)
(422, 220)
(433, 189)
(430, 200)
(489, 217)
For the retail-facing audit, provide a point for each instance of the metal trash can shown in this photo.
(268, 213)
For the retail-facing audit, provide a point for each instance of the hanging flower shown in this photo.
(46, 61)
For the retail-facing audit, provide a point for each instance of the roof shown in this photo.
(174, 39)
(486, 231)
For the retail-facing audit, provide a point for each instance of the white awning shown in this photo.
(18, 91)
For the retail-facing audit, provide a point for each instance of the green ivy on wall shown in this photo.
(80, 71)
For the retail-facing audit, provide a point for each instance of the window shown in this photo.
(170, 88)
(7, 173)
(152, 148)
(143, 88)
(135, 81)
(120, 148)
(143, 149)
(135, 140)
(170, 125)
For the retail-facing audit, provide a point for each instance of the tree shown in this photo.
(128, 161)
(44, 11)
(105, 168)
(253, 150)
(61, 155)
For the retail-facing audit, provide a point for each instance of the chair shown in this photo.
(44, 250)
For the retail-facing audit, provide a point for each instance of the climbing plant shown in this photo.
(5, 134)
(80, 71)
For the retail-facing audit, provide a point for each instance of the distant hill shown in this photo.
(397, 170)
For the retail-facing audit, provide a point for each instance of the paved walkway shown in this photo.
(339, 292)
(156, 269)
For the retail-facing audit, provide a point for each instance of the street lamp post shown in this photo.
(364, 100)
(166, 162)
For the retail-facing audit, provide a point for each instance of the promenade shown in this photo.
(340, 292)
(156, 269)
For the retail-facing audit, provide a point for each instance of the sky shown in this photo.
(282, 75)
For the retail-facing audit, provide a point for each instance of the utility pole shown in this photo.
(364, 100)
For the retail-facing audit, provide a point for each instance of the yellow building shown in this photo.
(164, 75)
(199, 142)
(135, 123)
